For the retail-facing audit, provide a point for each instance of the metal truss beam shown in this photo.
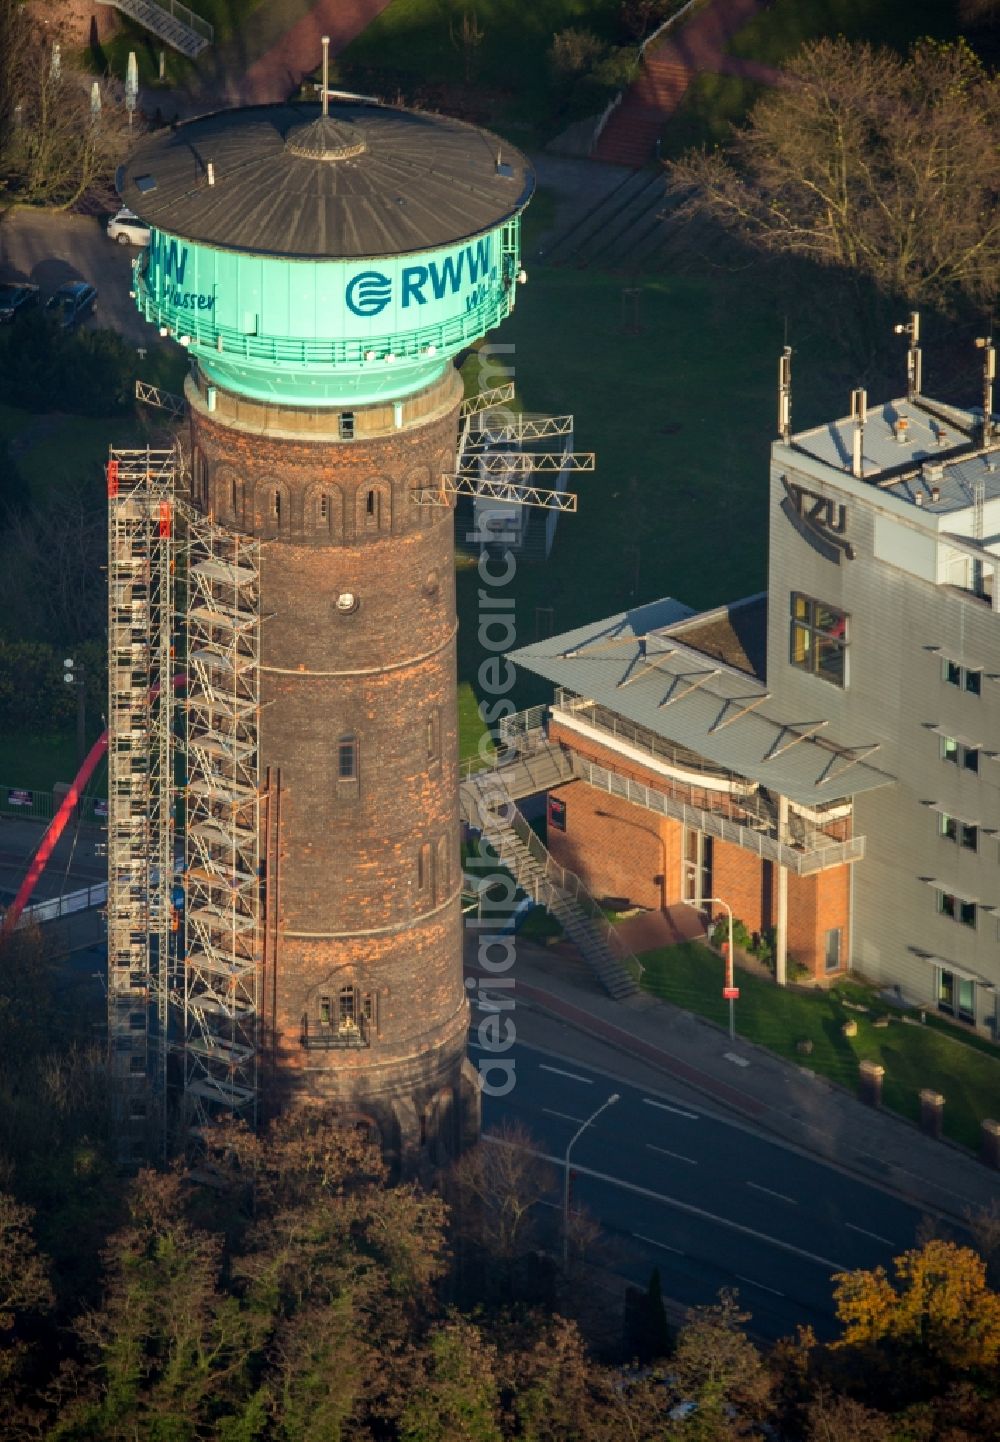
(162, 400)
(501, 462)
(487, 400)
(485, 488)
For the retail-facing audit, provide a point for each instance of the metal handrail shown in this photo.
(802, 862)
(563, 882)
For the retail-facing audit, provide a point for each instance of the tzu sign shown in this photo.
(819, 519)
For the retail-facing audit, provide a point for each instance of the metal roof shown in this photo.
(636, 665)
(370, 181)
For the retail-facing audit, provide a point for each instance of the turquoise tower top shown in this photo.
(327, 259)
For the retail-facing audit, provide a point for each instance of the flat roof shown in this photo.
(937, 465)
(736, 634)
(638, 665)
(366, 181)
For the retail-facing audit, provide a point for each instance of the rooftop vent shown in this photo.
(325, 139)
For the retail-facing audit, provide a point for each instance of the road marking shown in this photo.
(587, 1081)
(652, 1242)
(563, 1117)
(667, 1153)
(662, 1107)
(736, 1060)
(680, 1206)
(874, 1235)
(763, 1286)
(792, 1201)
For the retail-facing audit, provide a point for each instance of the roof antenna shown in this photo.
(785, 394)
(985, 344)
(913, 356)
(859, 412)
(326, 75)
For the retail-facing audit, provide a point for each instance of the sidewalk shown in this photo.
(758, 1088)
(696, 46)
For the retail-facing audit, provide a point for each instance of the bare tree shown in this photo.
(58, 141)
(886, 166)
(498, 1188)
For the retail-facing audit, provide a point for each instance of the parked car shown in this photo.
(73, 301)
(15, 298)
(127, 228)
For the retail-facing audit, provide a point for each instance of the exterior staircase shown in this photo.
(487, 806)
(630, 136)
(170, 21)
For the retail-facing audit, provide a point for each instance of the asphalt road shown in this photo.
(706, 1199)
(48, 248)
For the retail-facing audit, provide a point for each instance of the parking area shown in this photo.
(49, 248)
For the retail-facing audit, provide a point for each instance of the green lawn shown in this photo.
(714, 103)
(935, 1056)
(681, 419)
(779, 30)
(38, 762)
(506, 79)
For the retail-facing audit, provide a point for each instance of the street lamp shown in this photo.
(730, 992)
(573, 1141)
(73, 676)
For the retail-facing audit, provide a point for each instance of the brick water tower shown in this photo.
(324, 267)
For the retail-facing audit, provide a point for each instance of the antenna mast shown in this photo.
(985, 344)
(326, 74)
(914, 376)
(859, 411)
(785, 394)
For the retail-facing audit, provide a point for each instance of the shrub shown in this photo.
(741, 933)
(44, 368)
(576, 52)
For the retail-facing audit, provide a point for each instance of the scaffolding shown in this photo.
(219, 992)
(140, 823)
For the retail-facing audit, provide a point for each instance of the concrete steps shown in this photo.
(566, 247)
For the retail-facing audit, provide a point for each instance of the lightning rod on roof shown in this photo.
(785, 394)
(326, 75)
(859, 413)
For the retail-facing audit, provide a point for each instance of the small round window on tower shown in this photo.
(347, 602)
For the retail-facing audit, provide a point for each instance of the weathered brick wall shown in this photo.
(358, 905)
(816, 905)
(618, 849)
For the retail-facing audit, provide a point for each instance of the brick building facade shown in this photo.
(364, 1003)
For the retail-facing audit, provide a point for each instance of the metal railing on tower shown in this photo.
(140, 823)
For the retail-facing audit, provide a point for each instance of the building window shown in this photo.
(371, 509)
(434, 735)
(965, 678)
(347, 758)
(832, 949)
(818, 639)
(424, 867)
(963, 833)
(324, 1011)
(443, 868)
(276, 506)
(556, 813)
(955, 907)
(345, 422)
(956, 995)
(967, 757)
(324, 509)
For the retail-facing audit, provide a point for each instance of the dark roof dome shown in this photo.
(364, 181)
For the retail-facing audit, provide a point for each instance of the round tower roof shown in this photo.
(365, 181)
